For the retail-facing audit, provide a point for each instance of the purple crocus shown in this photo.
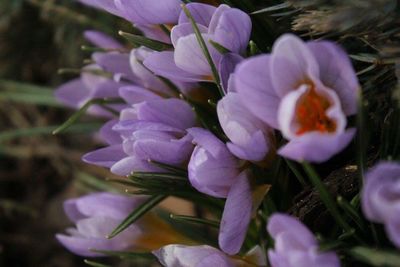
(213, 170)
(380, 198)
(295, 245)
(227, 26)
(305, 90)
(203, 256)
(153, 129)
(95, 216)
(102, 40)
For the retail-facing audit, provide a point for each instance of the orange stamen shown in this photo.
(311, 114)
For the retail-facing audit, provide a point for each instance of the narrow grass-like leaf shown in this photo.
(125, 254)
(75, 117)
(160, 175)
(352, 213)
(46, 130)
(137, 214)
(220, 48)
(271, 8)
(296, 172)
(139, 40)
(204, 47)
(190, 219)
(168, 167)
(375, 257)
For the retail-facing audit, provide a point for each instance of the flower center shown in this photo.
(311, 113)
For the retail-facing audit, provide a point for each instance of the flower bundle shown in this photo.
(199, 110)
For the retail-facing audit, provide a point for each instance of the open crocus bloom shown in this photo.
(380, 198)
(295, 245)
(305, 90)
(227, 26)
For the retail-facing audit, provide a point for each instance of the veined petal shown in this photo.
(201, 13)
(184, 29)
(292, 64)
(316, 147)
(253, 83)
(236, 216)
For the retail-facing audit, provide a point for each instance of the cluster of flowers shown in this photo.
(303, 91)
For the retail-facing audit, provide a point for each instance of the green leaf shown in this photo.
(220, 48)
(137, 214)
(78, 128)
(195, 220)
(139, 40)
(271, 8)
(203, 46)
(125, 254)
(75, 117)
(376, 257)
(352, 213)
(95, 264)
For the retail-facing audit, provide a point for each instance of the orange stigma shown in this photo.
(311, 114)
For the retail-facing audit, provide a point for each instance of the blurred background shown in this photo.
(38, 170)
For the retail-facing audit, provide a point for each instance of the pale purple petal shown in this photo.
(189, 56)
(316, 147)
(107, 89)
(336, 72)
(127, 165)
(73, 93)
(115, 63)
(107, 5)
(236, 216)
(163, 64)
(227, 66)
(154, 32)
(184, 29)
(192, 256)
(233, 30)
(105, 157)
(110, 136)
(253, 83)
(201, 13)
(393, 230)
(102, 40)
(135, 94)
(217, 16)
(150, 11)
(173, 112)
(292, 63)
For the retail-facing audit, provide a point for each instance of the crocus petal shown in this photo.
(236, 216)
(233, 30)
(253, 83)
(150, 11)
(106, 5)
(217, 16)
(116, 63)
(102, 40)
(107, 89)
(163, 64)
(227, 66)
(280, 223)
(81, 246)
(110, 136)
(190, 57)
(105, 157)
(255, 149)
(336, 72)
(131, 164)
(184, 29)
(174, 112)
(135, 94)
(292, 63)
(316, 147)
(393, 231)
(201, 13)
(192, 256)
(73, 93)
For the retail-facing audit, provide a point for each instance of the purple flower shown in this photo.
(305, 90)
(380, 198)
(202, 256)
(102, 40)
(250, 137)
(153, 129)
(213, 170)
(96, 216)
(227, 26)
(295, 245)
